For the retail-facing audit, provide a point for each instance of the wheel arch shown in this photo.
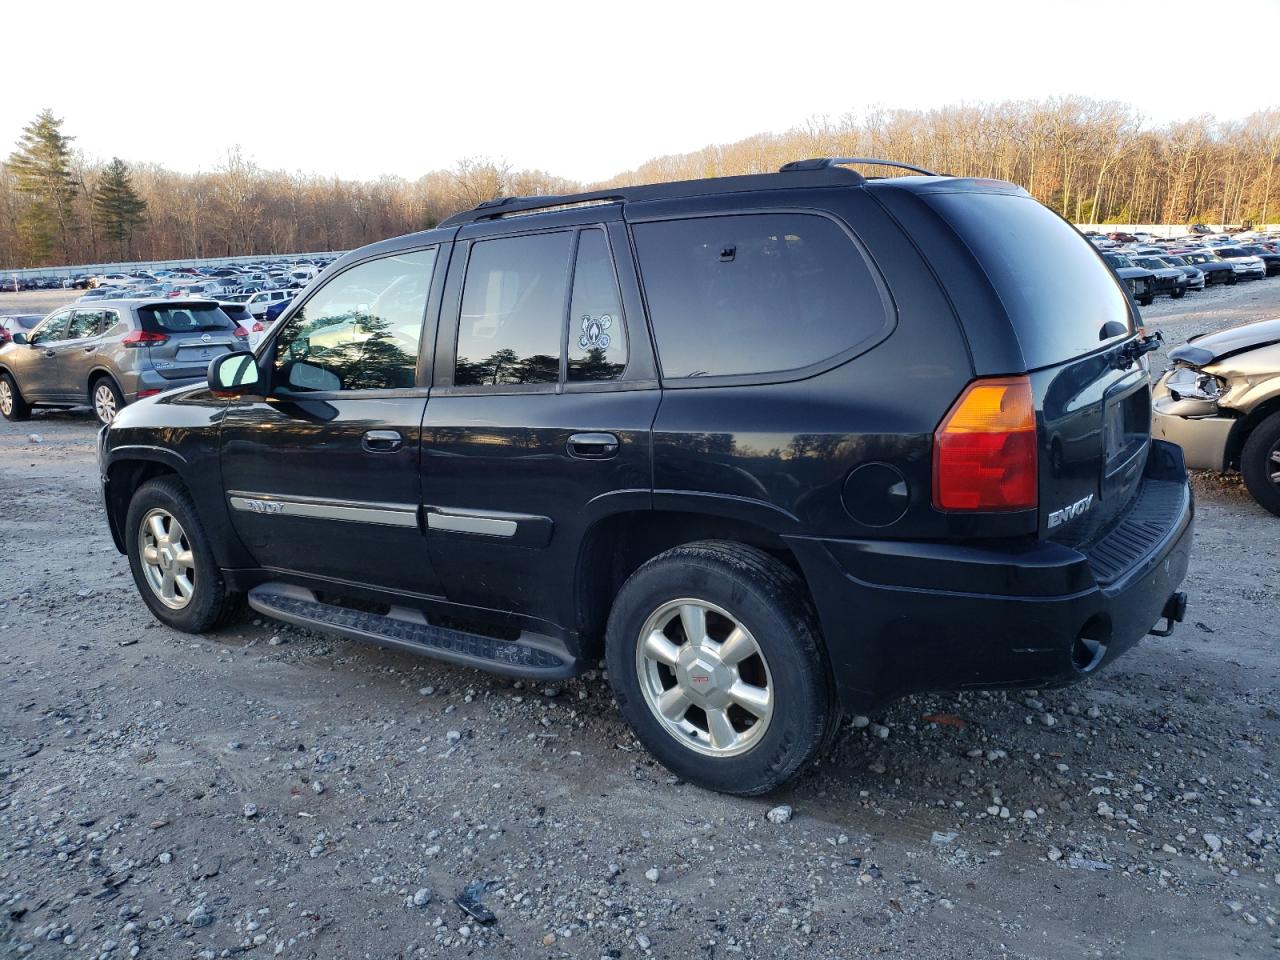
(96, 374)
(1239, 434)
(127, 470)
(615, 546)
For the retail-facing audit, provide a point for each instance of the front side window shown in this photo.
(53, 329)
(361, 329)
(512, 315)
(755, 294)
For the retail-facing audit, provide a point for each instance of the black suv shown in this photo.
(778, 447)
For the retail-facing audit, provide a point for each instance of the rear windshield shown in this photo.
(1055, 287)
(180, 319)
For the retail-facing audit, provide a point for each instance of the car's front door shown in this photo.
(36, 368)
(321, 472)
(539, 423)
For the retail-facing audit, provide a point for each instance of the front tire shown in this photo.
(715, 661)
(12, 404)
(171, 560)
(1260, 463)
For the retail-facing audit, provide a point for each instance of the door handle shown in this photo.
(50, 353)
(90, 349)
(592, 446)
(382, 441)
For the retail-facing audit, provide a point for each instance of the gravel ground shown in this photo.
(273, 791)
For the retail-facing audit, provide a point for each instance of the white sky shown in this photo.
(362, 88)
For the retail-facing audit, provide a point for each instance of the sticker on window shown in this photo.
(594, 336)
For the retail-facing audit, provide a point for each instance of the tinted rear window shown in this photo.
(755, 294)
(1058, 293)
(184, 319)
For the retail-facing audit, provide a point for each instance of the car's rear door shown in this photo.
(321, 471)
(77, 355)
(1068, 323)
(184, 336)
(540, 417)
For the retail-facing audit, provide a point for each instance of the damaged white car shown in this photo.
(1220, 401)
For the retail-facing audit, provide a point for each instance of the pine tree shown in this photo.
(41, 168)
(117, 207)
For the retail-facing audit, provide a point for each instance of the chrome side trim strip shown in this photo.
(458, 523)
(353, 511)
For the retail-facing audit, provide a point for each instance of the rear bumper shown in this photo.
(905, 617)
(150, 380)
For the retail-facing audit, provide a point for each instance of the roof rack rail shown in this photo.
(791, 177)
(824, 163)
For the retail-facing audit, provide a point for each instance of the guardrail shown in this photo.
(92, 269)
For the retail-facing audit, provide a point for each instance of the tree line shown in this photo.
(1092, 161)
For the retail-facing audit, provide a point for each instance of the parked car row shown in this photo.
(274, 273)
(1150, 267)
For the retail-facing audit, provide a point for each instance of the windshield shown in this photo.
(1117, 261)
(192, 318)
(1176, 261)
(1060, 298)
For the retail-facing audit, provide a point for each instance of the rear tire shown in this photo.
(1260, 463)
(1147, 300)
(12, 405)
(749, 601)
(164, 535)
(1179, 293)
(106, 399)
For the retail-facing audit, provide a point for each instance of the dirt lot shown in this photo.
(271, 791)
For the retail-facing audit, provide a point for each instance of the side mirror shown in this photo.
(19, 338)
(233, 374)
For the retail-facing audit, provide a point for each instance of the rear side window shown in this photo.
(513, 310)
(184, 319)
(1058, 294)
(597, 341)
(755, 294)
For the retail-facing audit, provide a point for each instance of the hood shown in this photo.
(1131, 273)
(1212, 347)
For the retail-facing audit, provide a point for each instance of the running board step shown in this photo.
(532, 656)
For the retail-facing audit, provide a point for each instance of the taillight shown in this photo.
(142, 394)
(984, 451)
(241, 332)
(257, 326)
(143, 338)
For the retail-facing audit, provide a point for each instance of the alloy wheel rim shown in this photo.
(6, 398)
(168, 563)
(704, 677)
(104, 403)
